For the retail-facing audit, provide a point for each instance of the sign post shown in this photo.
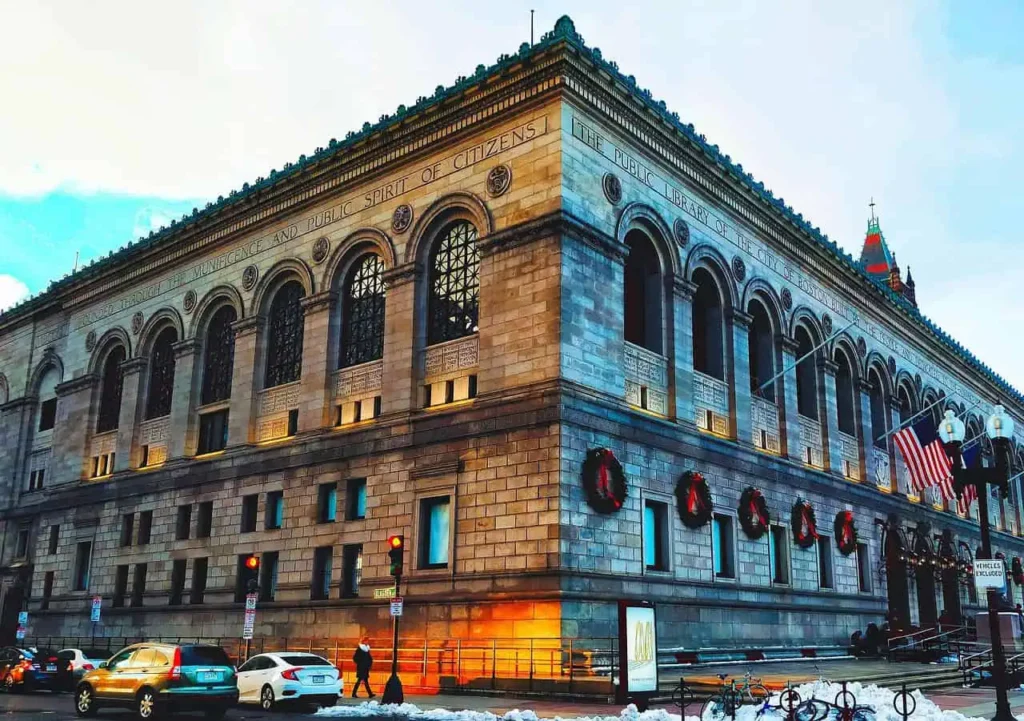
(249, 624)
(396, 606)
(94, 615)
(638, 653)
(22, 625)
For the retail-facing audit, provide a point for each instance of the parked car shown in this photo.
(270, 679)
(74, 662)
(23, 669)
(155, 677)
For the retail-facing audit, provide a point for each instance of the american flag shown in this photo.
(925, 457)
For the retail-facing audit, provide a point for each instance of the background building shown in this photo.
(425, 329)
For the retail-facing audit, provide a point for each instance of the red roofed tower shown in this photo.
(881, 264)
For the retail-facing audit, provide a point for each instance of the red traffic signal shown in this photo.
(252, 563)
(396, 554)
(396, 541)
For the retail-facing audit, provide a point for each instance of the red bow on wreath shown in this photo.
(804, 524)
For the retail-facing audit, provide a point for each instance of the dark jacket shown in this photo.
(363, 660)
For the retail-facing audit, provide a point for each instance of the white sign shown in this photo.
(97, 604)
(989, 574)
(396, 606)
(22, 618)
(249, 625)
(20, 633)
(384, 592)
(641, 649)
(250, 602)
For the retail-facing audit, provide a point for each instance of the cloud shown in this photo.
(11, 291)
(149, 218)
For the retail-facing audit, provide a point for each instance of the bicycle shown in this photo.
(732, 695)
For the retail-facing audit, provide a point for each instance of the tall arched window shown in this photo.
(111, 383)
(708, 328)
(761, 347)
(46, 413)
(906, 405)
(806, 376)
(453, 306)
(877, 398)
(284, 335)
(218, 356)
(844, 395)
(642, 293)
(161, 374)
(362, 312)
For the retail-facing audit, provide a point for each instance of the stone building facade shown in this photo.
(424, 329)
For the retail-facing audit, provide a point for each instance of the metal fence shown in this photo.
(542, 665)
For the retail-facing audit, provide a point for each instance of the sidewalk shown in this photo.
(499, 705)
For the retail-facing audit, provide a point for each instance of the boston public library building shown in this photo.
(536, 325)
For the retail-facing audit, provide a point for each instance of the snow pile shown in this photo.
(878, 699)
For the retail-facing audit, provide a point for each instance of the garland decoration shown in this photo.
(804, 524)
(694, 500)
(1017, 571)
(753, 513)
(845, 533)
(603, 481)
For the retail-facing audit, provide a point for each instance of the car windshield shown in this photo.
(305, 661)
(204, 656)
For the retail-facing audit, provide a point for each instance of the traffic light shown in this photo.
(251, 573)
(396, 554)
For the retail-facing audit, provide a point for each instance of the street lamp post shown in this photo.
(999, 430)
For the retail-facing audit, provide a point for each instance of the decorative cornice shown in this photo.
(864, 385)
(402, 274)
(787, 342)
(895, 403)
(189, 346)
(828, 366)
(17, 404)
(133, 365)
(247, 326)
(443, 468)
(83, 382)
(319, 302)
(740, 318)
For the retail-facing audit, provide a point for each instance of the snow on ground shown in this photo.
(880, 699)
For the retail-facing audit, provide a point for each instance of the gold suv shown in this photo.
(155, 677)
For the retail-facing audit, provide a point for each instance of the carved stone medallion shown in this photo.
(498, 180)
(826, 324)
(401, 219)
(189, 301)
(321, 248)
(249, 277)
(787, 299)
(739, 268)
(137, 322)
(90, 341)
(612, 188)
(682, 232)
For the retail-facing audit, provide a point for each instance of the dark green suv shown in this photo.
(156, 677)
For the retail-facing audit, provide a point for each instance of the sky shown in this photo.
(120, 116)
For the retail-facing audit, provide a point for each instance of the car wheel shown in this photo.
(267, 699)
(85, 701)
(145, 704)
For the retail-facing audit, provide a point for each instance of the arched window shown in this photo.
(111, 384)
(642, 293)
(761, 347)
(219, 356)
(284, 335)
(906, 405)
(806, 376)
(877, 398)
(708, 328)
(844, 395)
(46, 413)
(453, 306)
(362, 312)
(161, 374)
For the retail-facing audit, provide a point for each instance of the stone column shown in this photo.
(402, 338)
(894, 422)
(740, 381)
(243, 380)
(127, 421)
(867, 433)
(682, 314)
(789, 423)
(829, 415)
(76, 419)
(181, 429)
(317, 309)
(15, 432)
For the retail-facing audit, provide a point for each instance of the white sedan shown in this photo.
(270, 679)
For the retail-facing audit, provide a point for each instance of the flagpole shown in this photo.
(798, 361)
(921, 412)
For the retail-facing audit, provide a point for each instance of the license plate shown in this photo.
(209, 676)
(51, 667)
(318, 679)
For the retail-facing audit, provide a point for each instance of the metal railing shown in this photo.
(940, 640)
(542, 665)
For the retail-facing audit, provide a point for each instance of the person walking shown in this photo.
(364, 662)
